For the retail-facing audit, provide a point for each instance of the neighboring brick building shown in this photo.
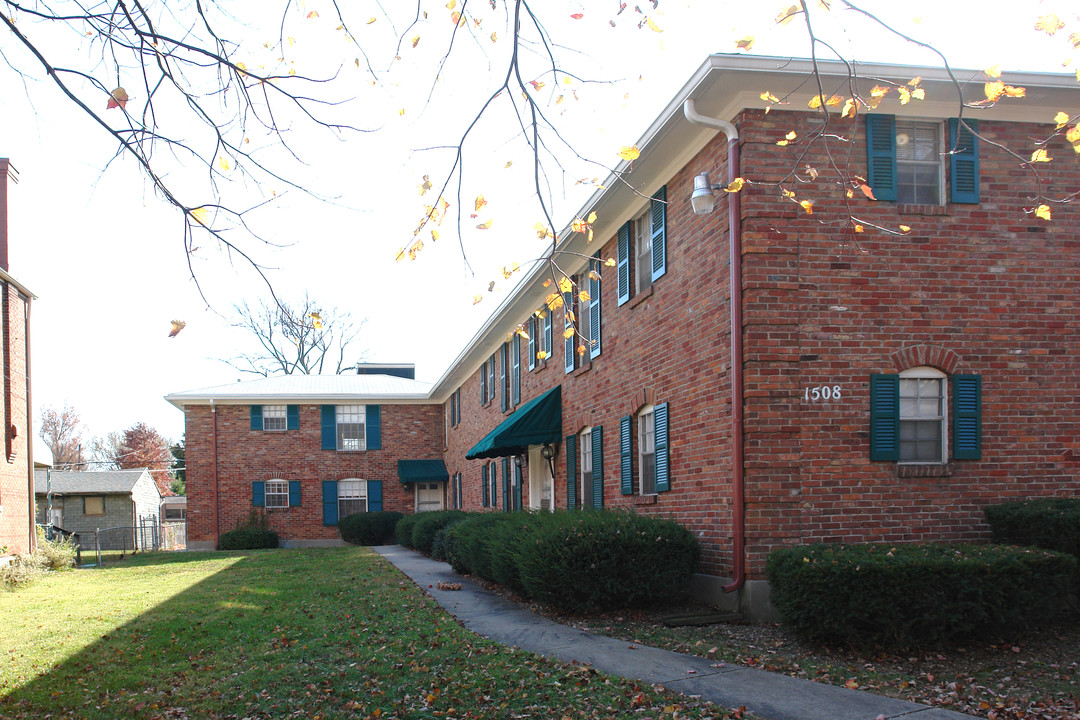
(17, 533)
(891, 382)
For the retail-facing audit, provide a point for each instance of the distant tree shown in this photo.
(301, 339)
(63, 433)
(179, 483)
(140, 446)
(104, 451)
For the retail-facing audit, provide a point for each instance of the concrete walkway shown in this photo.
(767, 695)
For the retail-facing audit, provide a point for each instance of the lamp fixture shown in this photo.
(519, 461)
(703, 199)
(548, 453)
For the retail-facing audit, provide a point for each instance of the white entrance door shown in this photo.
(541, 484)
(429, 496)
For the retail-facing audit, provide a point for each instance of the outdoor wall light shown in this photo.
(703, 200)
(548, 453)
(519, 461)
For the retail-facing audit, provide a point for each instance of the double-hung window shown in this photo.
(273, 417)
(923, 426)
(647, 451)
(351, 497)
(906, 160)
(350, 427)
(341, 498)
(277, 494)
(912, 421)
(642, 249)
(585, 466)
(649, 429)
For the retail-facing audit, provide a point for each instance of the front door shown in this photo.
(541, 484)
(429, 496)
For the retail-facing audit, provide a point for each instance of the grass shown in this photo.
(328, 633)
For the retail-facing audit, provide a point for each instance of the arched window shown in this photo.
(646, 422)
(277, 494)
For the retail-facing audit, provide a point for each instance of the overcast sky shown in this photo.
(105, 255)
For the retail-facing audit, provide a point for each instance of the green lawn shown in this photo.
(333, 633)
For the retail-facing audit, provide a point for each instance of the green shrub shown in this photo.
(587, 561)
(369, 528)
(58, 554)
(469, 544)
(251, 534)
(877, 595)
(429, 523)
(50, 555)
(404, 527)
(1050, 523)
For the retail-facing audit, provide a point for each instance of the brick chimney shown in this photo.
(6, 171)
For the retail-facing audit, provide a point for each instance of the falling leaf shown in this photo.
(1062, 119)
(735, 185)
(1049, 24)
(808, 206)
(867, 191)
(200, 215)
(745, 43)
(223, 163)
(1043, 211)
(117, 98)
(177, 326)
(630, 153)
(1040, 155)
(484, 225)
(416, 40)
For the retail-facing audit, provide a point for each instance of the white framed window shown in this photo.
(641, 237)
(277, 494)
(274, 417)
(175, 513)
(352, 497)
(586, 465)
(923, 416)
(647, 450)
(920, 166)
(350, 427)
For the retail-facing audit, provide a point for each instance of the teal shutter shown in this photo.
(532, 342)
(881, 155)
(568, 342)
(329, 502)
(329, 430)
(493, 479)
(548, 345)
(517, 488)
(597, 467)
(571, 472)
(658, 211)
(292, 417)
(506, 484)
(491, 377)
(373, 426)
(484, 486)
(626, 458)
(453, 412)
(963, 162)
(258, 494)
(967, 417)
(256, 417)
(483, 384)
(594, 307)
(884, 417)
(504, 391)
(663, 452)
(374, 495)
(623, 267)
(515, 374)
(294, 493)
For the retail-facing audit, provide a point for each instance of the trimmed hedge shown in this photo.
(369, 528)
(878, 595)
(248, 538)
(1050, 523)
(404, 527)
(429, 523)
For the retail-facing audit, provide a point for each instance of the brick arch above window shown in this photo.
(925, 355)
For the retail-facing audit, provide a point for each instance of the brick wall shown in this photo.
(16, 521)
(245, 456)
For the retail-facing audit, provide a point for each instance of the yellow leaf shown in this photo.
(425, 186)
(993, 72)
(291, 41)
(849, 109)
(745, 43)
(401, 112)
(610, 262)
(451, 5)
(370, 20)
(581, 349)
(560, 99)
(834, 100)
(434, 235)
(812, 172)
(1043, 211)
(918, 94)
(522, 333)
(565, 285)
(1040, 155)
(479, 203)
(781, 143)
(400, 255)
(769, 97)
(594, 276)
(568, 333)
(241, 67)
(867, 191)
(484, 225)
(477, 298)
(223, 163)
(1049, 24)
(583, 296)
(914, 82)
(815, 102)
(787, 193)
(592, 218)
(1062, 119)
(905, 95)
(735, 185)
(808, 206)
(905, 229)
(787, 14)
(415, 40)
(541, 355)
(652, 26)
(455, 17)
(313, 14)
(630, 153)
(858, 228)
(791, 135)
(494, 37)
(541, 230)
(1015, 91)
(201, 215)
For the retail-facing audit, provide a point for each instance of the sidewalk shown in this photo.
(770, 696)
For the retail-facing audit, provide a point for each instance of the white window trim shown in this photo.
(934, 374)
(585, 441)
(940, 129)
(276, 488)
(359, 494)
(639, 430)
(275, 412)
(359, 411)
(641, 232)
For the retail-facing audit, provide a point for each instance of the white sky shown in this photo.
(105, 256)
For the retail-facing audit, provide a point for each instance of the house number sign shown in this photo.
(821, 393)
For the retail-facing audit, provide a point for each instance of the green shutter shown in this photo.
(626, 457)
(658, 211)
(329, 502)
(623, 269)
(504, 391)
(517, 488)
(568, 342)
(374, 495)
(256, 417)
(506, 484)
(294, 493)
(292, 417)
(484, 486)
(881, 155)
(532, 342)
(329, 430)
(967, 417)
(594, 307)
(373, 426)
(258, 494)
(515, 374)
(571, 471)
(663, 452)
(963, 162)
(493, 479)
(885, 417)
(597, 467)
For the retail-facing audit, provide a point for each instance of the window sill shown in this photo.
(640, 297)
(911, 209)
(582, 370)
(645, 499)
(924, 471)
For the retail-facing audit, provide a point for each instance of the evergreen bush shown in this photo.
(369, 528)
(429, 523)
(251, 534)
(1050, 523)
(403, 529)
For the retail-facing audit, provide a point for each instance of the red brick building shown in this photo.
(906, 351)
(17, 535)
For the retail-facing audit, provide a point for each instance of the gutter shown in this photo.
(738, 500)
(214, 459)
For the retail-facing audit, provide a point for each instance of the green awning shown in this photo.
(409, 471)
(537, 422)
